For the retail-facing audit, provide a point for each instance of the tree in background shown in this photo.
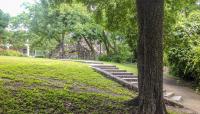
(91, 33)
(118, 18)
(4, 20)
(57, 22)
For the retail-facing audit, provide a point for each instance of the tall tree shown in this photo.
(4, 19)
(55, 22)
(150, 56)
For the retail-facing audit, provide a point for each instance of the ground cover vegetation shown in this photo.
(51, 86)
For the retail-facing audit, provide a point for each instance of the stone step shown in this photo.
(131, 79)
(94, 63)
(176, 98)
(108, 68)
(104, 65)
(115, 70)
(168, 94)
(122, 73)
(88, 62)
(91, 64)
(134, 82)
(126, 76)
(98, 66)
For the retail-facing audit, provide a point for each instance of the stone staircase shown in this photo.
(129, 80)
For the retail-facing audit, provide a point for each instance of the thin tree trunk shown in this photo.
(78, 49)
(106, 43)
(150, 56)
(100, 49)
(62, 47)
(91, 48)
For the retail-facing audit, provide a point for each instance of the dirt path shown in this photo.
(190, 98)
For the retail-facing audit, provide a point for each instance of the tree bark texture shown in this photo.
(150, 56)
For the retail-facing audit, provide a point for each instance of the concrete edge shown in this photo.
(119, 80)
(133, 87)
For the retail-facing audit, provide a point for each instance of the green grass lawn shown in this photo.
(29, 85)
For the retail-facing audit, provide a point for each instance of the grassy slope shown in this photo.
(30, 85)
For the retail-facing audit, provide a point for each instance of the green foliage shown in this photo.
(30, 85)
(89, 30)
(185, 63)
(116, 16)
(175, 13)
(122, 55)
(47, 26)
(54, 24)
(184, 53)
(10, 53)
(39, 56)
(165, 59)
(4, 19)
(105, 57)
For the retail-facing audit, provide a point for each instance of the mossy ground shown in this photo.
(29, 85)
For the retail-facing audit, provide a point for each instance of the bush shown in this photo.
(122, 55)
(165, 60)
(10, 53)
(40, 56)
(105, 58)
(184, 51)
(185, 63)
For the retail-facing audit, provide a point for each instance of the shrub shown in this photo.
(122, 55)
(185, 63)
(105, 58)
(165, 60)
(184, 53)
(40, 56)
(10, 53)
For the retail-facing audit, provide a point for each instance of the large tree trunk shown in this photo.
(150, 56)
